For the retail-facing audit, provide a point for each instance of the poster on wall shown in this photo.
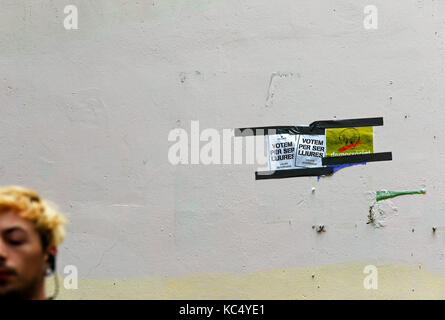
(287, 151)
(318, 149)
(310, 150)
(281, 151)
(349, 141)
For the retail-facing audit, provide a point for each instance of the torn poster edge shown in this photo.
(387, 194)
(337, 167)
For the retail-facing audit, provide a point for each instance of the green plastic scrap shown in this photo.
(385, 194)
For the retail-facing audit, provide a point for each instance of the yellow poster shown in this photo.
(349, 141)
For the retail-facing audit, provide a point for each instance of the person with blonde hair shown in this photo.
(31, 229)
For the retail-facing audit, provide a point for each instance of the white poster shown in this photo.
(281, 151)
(310, 150)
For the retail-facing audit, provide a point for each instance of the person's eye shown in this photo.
(16, 242)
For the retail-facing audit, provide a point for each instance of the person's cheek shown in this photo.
(35, 258)
(26, 262)
(18, 262)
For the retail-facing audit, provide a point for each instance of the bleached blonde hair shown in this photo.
(48, 221)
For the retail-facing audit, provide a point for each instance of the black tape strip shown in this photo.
(316, 127)
(369, 157)
(305, 172)
(259, 131)
(363, 122)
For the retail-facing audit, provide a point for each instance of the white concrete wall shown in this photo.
(85, 116)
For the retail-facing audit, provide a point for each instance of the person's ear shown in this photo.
(51, 253)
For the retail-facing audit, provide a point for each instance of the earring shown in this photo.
(48, 271)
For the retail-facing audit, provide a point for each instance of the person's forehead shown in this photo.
(11, 219)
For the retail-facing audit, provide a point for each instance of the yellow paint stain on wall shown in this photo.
(340, 281)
